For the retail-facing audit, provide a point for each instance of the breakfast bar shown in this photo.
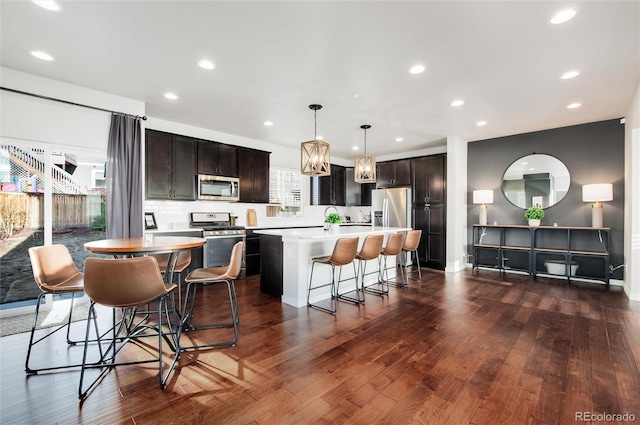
(286, 259)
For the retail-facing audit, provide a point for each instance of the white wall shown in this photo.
(632, 199)
(31, 118)
(456, 204)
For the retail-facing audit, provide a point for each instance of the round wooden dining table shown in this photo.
(133, 247)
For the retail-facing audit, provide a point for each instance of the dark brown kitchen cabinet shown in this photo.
(329, 190)
(217, 159)
(253, 170)
(428, 182)
(393, 173)
(357, 194)
(170, 166)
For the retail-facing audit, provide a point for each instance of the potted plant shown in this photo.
(534, 215)
(334, 220)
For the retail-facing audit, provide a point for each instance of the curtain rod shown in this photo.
(144, 118)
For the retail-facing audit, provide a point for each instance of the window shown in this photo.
(284, 190)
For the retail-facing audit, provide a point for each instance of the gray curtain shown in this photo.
(124, 178)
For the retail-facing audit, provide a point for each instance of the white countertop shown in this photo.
(316, 233)
(292, 223)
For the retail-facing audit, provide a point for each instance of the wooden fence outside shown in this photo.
(26, 210)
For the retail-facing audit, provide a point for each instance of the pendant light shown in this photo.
(365, 170)
(314, 154)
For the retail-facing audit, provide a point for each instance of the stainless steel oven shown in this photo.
(221, 236)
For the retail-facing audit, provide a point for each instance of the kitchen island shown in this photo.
(286, 260)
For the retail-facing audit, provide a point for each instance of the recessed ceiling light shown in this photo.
(170, 96)
(54, 6)
(205, 64)
(399, 139)
(42, 55)
(563, 16)
(356, 95)
(457, 102)
(355, 148)
(481, 123)
(574, 105)
(416, 69)
(569, 74)
(268, 123)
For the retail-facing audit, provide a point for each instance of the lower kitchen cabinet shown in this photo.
(252, 250)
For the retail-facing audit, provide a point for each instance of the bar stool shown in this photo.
(371, 249)
(393, 247)
(411, 246)
(344, 252)
(209, 276)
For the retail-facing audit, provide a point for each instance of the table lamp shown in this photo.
(483, 197)
(597, 193)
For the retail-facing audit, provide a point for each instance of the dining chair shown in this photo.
(125, 284)
(211, 276)
(54, 273)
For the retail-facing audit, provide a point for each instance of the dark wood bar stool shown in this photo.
(344, 252)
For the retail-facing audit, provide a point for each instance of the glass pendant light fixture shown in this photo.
(365, 170)
(314, 154)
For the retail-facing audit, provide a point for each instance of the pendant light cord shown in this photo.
(365, 141)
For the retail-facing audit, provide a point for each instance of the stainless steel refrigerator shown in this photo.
(391, 207)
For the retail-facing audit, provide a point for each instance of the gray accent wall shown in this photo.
(593, 153)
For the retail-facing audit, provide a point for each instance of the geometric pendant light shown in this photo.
(365, 165)
(314, 154)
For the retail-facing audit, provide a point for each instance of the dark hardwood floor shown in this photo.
(466, 348)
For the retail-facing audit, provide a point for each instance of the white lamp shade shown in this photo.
(483, 196)
(597, 192)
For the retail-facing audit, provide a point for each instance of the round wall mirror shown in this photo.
(536, 180)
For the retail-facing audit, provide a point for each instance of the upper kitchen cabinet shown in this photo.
(170, 166)
(329, 190)
(217, 159)
(393, 173)
(428, 179)
(357, 194)
(253, 170)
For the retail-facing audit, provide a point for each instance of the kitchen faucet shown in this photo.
(327, 209)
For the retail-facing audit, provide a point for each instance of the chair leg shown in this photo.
(235, 318)
(402, 283)
(333, 291)
(380, 283)
(28, 369)
(355, 300)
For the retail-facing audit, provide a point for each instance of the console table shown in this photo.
(572, 252)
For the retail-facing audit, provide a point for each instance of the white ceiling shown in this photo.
(273, 59)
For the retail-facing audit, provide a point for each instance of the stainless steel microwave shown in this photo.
(218, 188)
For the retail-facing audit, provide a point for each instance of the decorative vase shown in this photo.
(534, 222)
(334, 227)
